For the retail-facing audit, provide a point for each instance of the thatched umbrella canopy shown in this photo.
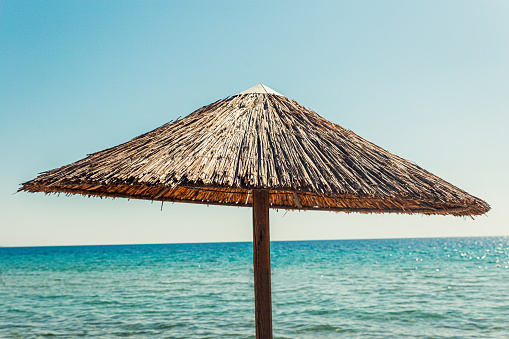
(261, 149)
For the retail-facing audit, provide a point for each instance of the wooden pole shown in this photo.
(261, 263)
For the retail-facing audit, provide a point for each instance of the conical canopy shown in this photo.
(259, 139)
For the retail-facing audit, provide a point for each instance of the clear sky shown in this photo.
(427, 80)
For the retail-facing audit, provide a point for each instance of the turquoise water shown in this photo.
(403, 288)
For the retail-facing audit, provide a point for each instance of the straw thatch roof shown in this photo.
(259, 139)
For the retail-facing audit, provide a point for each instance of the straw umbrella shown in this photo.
(260, 149)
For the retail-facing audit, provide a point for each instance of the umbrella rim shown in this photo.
(455, 209)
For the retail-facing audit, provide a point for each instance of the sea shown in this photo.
(385, 288)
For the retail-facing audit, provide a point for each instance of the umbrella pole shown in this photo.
(261, 263)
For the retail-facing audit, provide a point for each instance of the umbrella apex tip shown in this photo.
(260, 89)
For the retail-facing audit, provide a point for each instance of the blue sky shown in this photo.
(428, 81)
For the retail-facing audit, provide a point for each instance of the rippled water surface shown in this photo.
(414, 288)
